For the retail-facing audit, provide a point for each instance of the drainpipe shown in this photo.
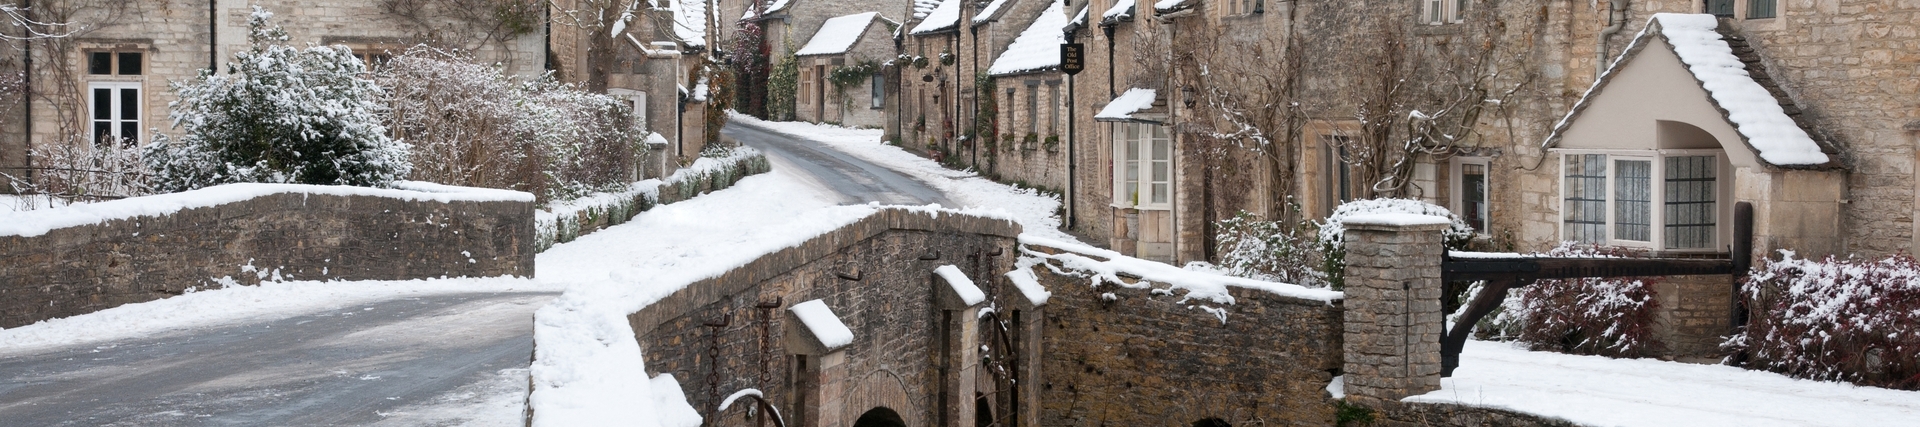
(1069, 192)
(1617, 17)
(973, 74)
(213, 36)
(26, 92)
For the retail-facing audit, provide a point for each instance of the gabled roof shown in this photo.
(1763, 114)
(990, 13)
(1121, 11)
(837, 35)
(1037, 48)
(923, 7)
(945, 17)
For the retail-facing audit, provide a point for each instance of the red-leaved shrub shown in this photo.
(1610, 317)
(1835, 319)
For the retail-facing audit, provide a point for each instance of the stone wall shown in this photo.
(1147, 357)
(876, 275)
(283, 235)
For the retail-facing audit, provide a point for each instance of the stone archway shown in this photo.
(1211, 422)
(880, 417)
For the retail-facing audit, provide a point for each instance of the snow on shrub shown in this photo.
(1835, 319)
(1612, 317)
(1456, 236)
(281, 115)
(471, 125)
(1258, 249)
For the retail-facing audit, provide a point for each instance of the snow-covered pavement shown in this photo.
(1601, 392)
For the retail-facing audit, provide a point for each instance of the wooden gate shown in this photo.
(1503, 274)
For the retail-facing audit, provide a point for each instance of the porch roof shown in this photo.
(1123, 108)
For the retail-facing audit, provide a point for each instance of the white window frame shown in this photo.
(1144, 156)
(116, 121)
(1723, 200)
(1457, 182)
(878, 89)
(1440, 12)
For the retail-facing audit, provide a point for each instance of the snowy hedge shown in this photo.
(471, 125)
(1835, 319)
(279, 115)
(1611, 317)
(1259, 249)
(1333, 232)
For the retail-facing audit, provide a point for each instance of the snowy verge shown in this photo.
(39, 222)
(1108, 267)
(1598, 391)
(235, 304)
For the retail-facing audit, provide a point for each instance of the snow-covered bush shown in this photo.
(1333, 233)
(1835, 319)
(77, 170)
(279, 114)
(471, 125)
(1255, 248)
(1611, 317)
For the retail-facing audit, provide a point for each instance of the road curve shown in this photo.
(858, 181)
(339, 367)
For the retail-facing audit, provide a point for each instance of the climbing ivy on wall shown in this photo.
(988, 111)
(783, 82)
(852, 75)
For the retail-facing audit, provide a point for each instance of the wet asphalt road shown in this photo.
(858, 181)
(338, 367)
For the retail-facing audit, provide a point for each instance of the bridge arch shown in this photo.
(880, 417)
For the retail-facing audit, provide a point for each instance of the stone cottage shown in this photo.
(840, 71)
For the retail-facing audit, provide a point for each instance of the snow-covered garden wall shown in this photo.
(84, 258)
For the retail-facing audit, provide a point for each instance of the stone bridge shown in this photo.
(932, 318)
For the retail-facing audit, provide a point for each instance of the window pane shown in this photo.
(130, 63)
(130, 133)
(1473, 195)
(129, 104)
(102, 104)
(1160, 193)
(1632, 200)
(879, 91)
(1586, 198)
(100, 63)
(1760, 9)
(1689, 207)
(102, 131)
(1720, 7)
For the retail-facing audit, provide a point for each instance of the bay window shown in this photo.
(1663, 200)
(1143, 166)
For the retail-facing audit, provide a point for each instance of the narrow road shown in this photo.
(342, 367)
(858, 181)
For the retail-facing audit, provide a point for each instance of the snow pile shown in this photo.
(1032, 209)
(944, 17)
(1597, 391)
(1754, 111)
(1122, 9)
(824, 325)
(1029, 285)
(837, 34)
(233, 304)
(1102, 266)
(962, 286)
(1122, 108)
(38, 222)
(1333, 230)
(1836, 319)
(1037, 48)
(987, 13)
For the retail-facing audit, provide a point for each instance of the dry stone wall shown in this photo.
(82, 269)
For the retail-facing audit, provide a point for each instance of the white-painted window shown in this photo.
(1143, 165)
(1470, 185)
(1665, 199)
(114, 111)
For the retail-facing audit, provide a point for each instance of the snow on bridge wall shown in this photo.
(85, 258)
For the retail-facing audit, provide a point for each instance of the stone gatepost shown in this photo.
(1392, 321)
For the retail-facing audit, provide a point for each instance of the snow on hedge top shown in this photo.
(1198, 284)
(1029, 285)
(824, 324)
(1122, 108)
(1038, 47)
(837, 34)
(941, 18)
(1396, 219)
(1754, 111)
(38, 222)
(1333, 230)
(987, 13)
(962, 286)
(1122, 9)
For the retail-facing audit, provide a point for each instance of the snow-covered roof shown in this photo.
(1037, 48)
(944, 17)
(962, 286)
(989, 13)
(1122, 108)
(824, 325)
(1752, 110)
(1170, 6)
(1079, 19)
(777, 6)
(837, 35)
(1121, 11)
(923, 7)
(689, 21)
